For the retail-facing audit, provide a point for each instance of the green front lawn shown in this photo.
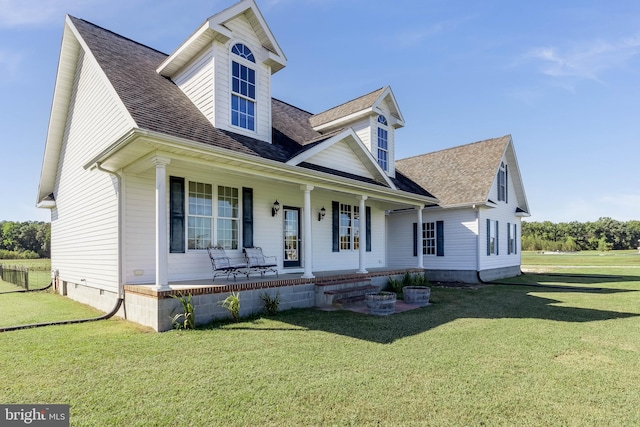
(492, 355)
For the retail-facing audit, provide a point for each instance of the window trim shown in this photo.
(383, 136)
(493, 237)
(242, 61)
(214, 219)
(355, 240)
(438, 238)
(429, 238)
(194, 214)
(503, 185)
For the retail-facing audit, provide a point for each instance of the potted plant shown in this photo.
(416, 290)
(381, 303)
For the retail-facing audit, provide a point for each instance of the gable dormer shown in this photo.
(373, 117)
(225, 68)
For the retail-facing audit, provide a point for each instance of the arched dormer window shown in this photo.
(243, 89)
(383, 143)
(243, 52)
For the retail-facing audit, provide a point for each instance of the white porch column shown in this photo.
(162, 252)
(362, 234)
(420, 237)
(308, 253)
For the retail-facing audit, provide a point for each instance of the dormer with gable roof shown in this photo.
(225, 68)
(374, 117)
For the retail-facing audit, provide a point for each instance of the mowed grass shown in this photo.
(566, 353)
(39, 272)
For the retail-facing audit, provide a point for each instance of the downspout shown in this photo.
(120, 234)
(120, 300)
(477, 209)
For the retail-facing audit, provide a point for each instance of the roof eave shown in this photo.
(390, 194)
(214, 29)
(69, 50)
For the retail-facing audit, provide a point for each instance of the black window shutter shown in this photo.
(488, 237)
(247, 217)
(439, 238)
(497, 238)
(368, 227)
(176, 215)
(415, 239)
(515, 239)
(335, 218)
(509, 248)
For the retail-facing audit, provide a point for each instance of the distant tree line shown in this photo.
(25, 240)
(605, 234)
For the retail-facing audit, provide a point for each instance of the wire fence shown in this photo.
(25, 277)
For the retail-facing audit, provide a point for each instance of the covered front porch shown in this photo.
(145, 304)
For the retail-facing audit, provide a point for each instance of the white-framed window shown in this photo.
(228, 217)
(493, 237)
(512, 231)
(502, 183)
(243, 88)
(429, 238)
(383, 143)
(349, 227)
(200, 215)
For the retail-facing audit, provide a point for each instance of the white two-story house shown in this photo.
(151, 158)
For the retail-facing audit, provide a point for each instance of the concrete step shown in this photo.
(349, 295)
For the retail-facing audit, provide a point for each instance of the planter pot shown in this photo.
(381, 303)
(416, 295)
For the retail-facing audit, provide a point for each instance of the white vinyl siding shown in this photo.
(363, 130)
(84, 224)
(206, 81)
(243, 33)
(504, 214)
(460, 241)
(341, 157)
(196, 81)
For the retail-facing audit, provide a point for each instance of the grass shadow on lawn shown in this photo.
(450, 304)
(571, 279)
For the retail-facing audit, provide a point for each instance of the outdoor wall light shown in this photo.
(322, 213)
(275, 208)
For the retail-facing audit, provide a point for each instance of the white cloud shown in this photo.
(587, 61)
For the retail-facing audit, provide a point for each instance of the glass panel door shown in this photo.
(291, 237)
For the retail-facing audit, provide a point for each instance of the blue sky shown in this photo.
(562, 77)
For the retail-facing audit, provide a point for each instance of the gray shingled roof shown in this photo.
(343, 110)
(460, 175)
(157, 104)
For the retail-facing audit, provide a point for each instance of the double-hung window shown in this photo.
(228, 217)
(200, 215)
(383, 143)
(200, 232)
(511, 238)
(502, 183)
(243, 88)
(349, 227)
(493, 237)
(429, 238)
